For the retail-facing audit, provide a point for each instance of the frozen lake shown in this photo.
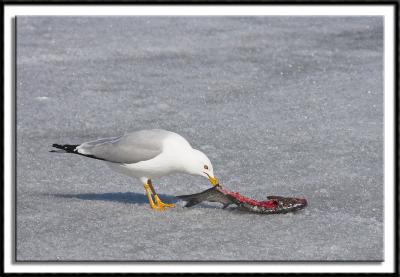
(289, 106)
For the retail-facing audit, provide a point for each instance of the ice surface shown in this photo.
(289, 106)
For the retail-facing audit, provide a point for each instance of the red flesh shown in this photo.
(269, 204)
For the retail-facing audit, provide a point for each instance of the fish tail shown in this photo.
(192, 202)
(192, 199)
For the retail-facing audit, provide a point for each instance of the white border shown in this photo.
(323, 10)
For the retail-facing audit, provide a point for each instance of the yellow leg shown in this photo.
(158, 205)
(157, 199)
(148, 193)
(162, 204)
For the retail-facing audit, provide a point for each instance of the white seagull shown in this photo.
(146, 154)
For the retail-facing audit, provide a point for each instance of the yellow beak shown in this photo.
(213, 181)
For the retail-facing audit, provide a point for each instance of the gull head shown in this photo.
(197, 163)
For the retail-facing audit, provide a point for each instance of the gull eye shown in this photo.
(205, 167)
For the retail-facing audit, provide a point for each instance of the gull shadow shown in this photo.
(122, 197)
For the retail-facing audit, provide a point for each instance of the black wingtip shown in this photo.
(57, 145)
(70, 148)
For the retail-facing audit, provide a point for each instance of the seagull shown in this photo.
(146, 154)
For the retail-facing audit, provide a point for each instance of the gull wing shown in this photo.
(130, 148)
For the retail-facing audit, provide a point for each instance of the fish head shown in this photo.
(289, 202)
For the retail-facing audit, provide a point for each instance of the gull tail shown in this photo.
(65, 148)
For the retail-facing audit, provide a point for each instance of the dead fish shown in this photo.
(213, 194)
(273, 204)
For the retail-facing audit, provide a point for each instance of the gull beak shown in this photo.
(213, 181)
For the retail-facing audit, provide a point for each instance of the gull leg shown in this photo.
(148, 193)
(159, 203)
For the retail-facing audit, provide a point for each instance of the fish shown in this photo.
(272, 205)
(213, 194)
